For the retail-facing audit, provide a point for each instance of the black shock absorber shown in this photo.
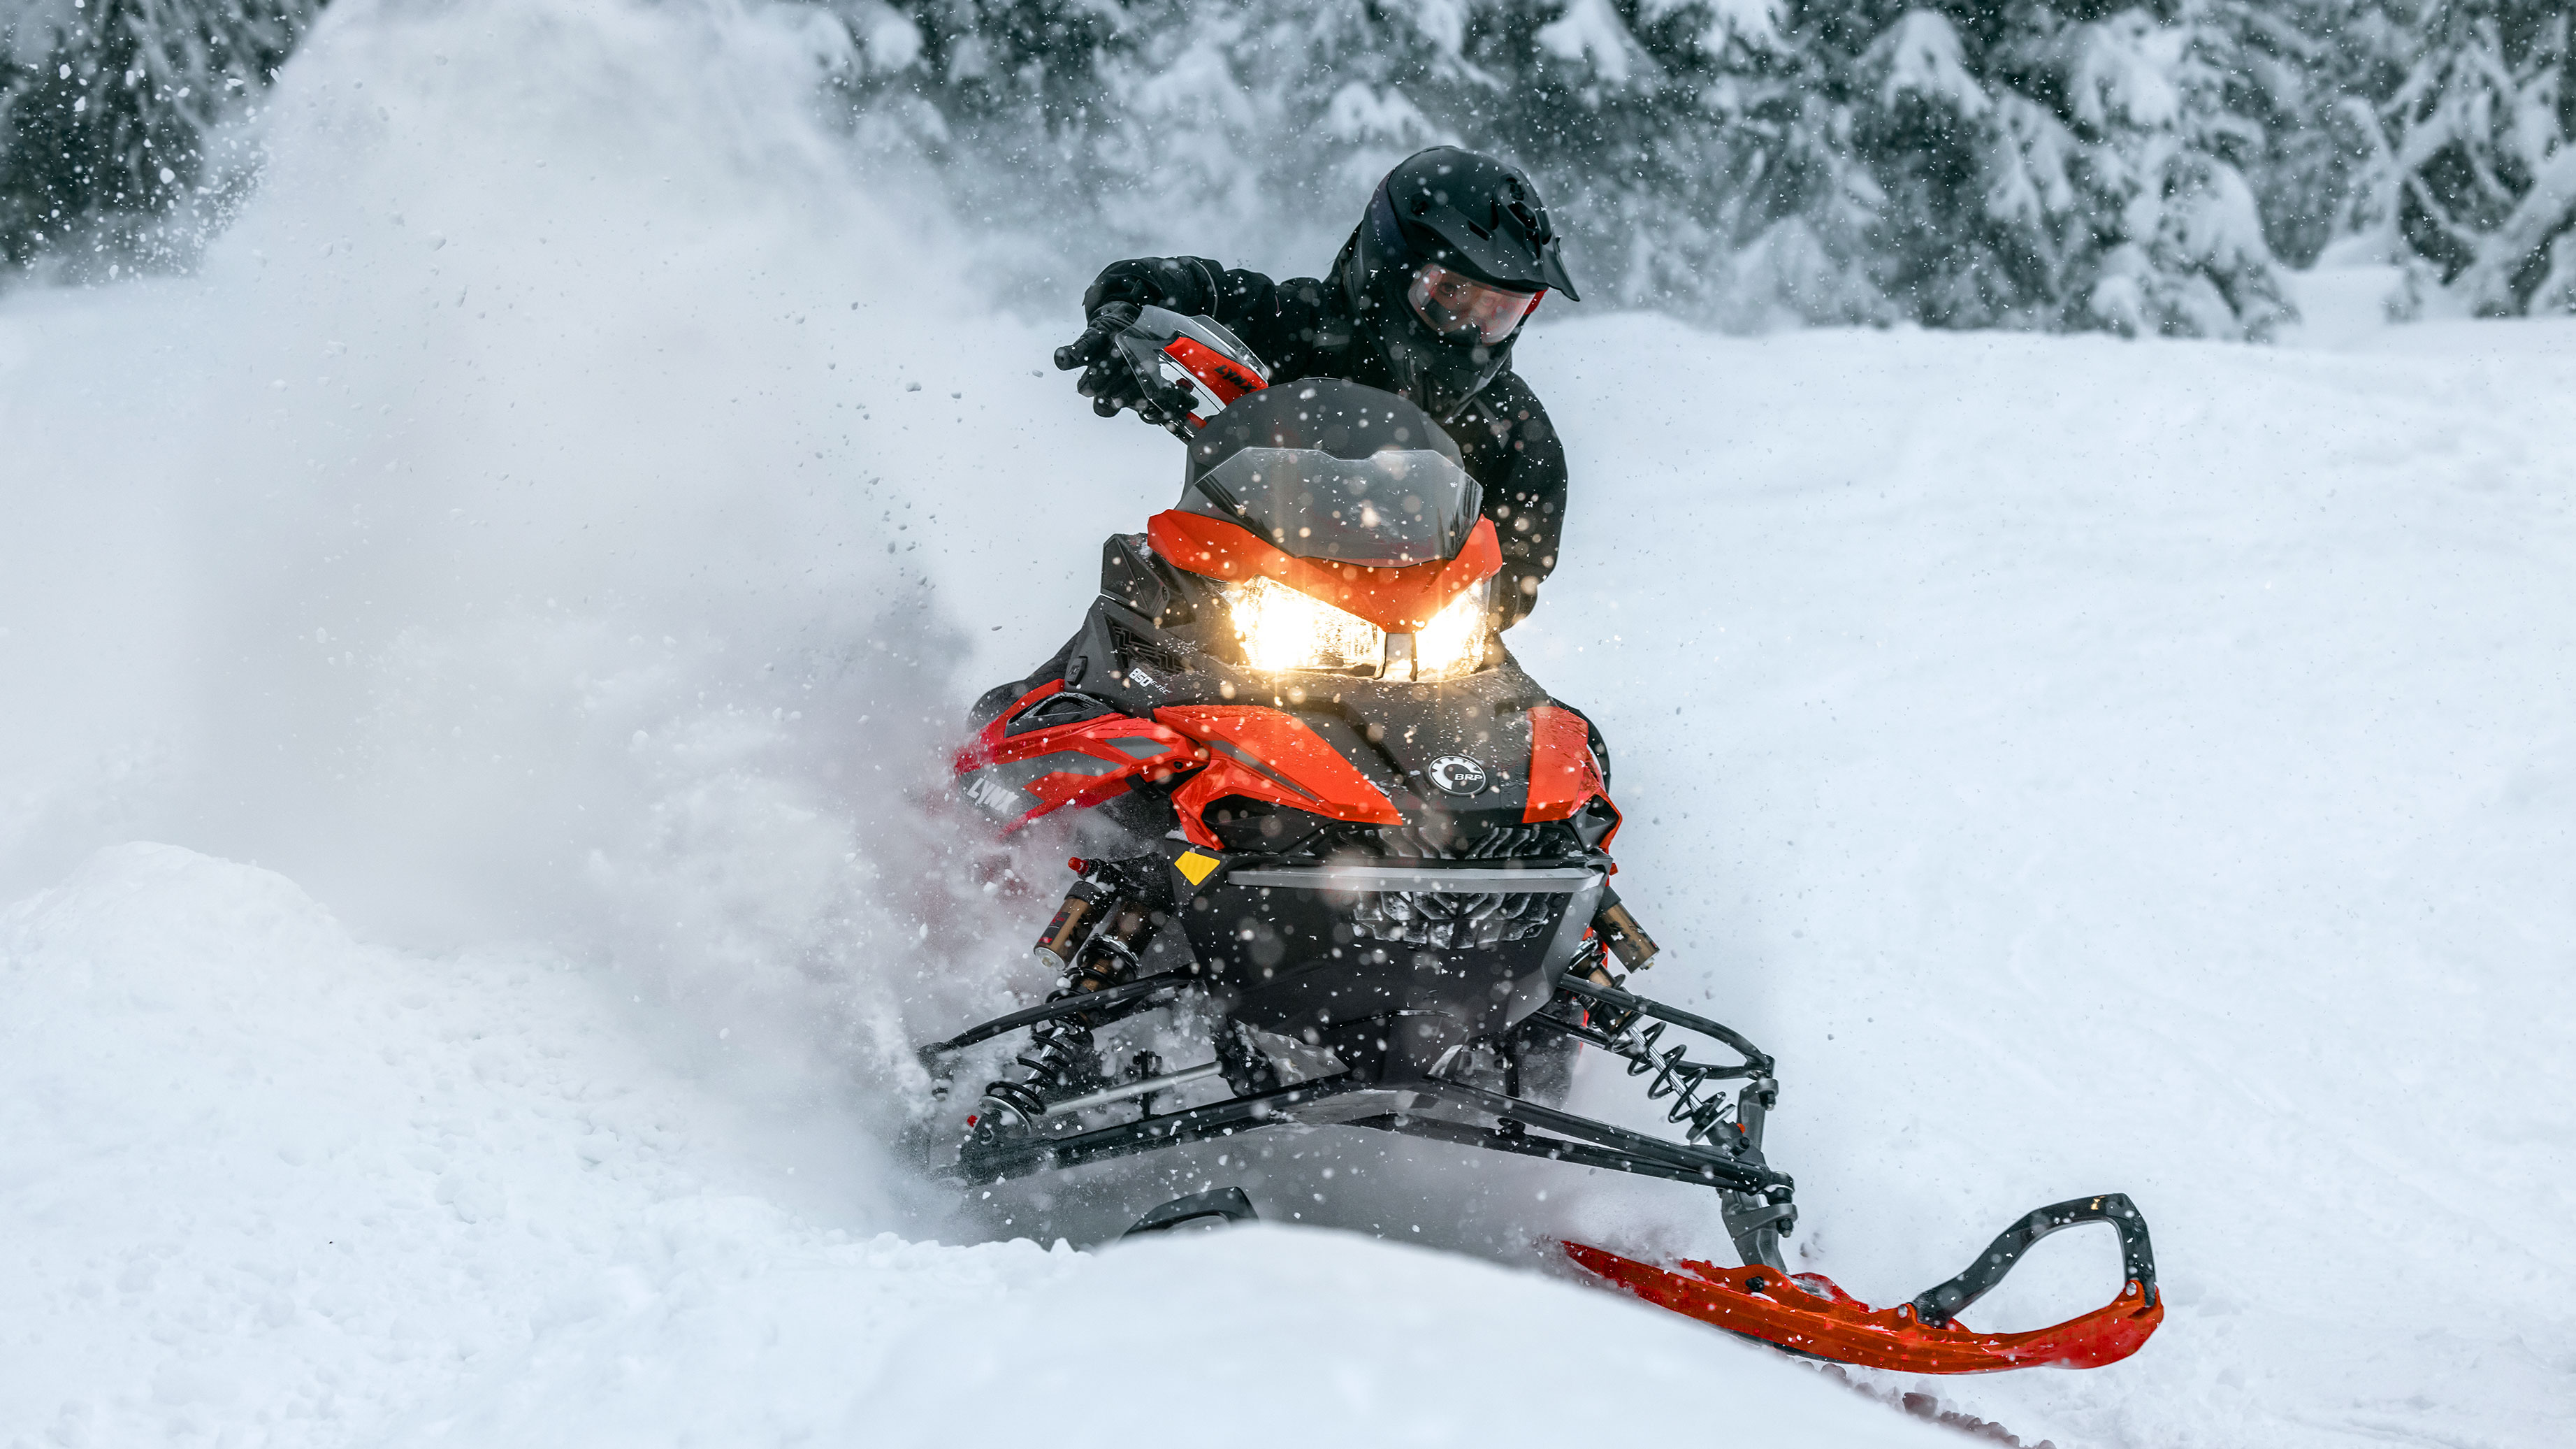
(1092, 944)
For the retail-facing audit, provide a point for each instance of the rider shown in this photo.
(1425, 300)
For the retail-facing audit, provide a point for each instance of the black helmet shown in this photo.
(1454, 251)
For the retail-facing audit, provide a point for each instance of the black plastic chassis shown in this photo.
(1757, 1198)
(1446, 1111)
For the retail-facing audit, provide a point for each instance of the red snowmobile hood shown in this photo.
(1398, 600)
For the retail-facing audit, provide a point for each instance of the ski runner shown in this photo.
(1425, 301)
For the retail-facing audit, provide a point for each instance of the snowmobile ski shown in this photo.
(1807, 1313)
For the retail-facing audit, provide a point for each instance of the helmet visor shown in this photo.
(1392, 509)
(1454, 304)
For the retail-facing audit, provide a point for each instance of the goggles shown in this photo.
(1453, 303)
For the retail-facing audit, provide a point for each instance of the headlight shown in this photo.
(1283, 630)
(1453, 643)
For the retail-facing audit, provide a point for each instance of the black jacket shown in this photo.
(1302, 328)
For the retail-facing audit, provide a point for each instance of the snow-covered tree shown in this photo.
(106, 111)
(2476, 177)
(2259, 80)
(2132, 165)
(1957, 165)
(1696, 152)
(2044, 168)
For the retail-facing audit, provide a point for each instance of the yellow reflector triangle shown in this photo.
(1194, 865)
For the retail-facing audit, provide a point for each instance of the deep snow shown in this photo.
(272, 1185)
(524, 578)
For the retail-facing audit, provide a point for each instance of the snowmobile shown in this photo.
(1335, 829)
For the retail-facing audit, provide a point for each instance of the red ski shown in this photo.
(1806, 1313)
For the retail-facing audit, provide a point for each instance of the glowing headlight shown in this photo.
(1283, 630)
(1453, 643)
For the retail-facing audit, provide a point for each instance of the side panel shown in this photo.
(1268, 754)
(1563, 777)
(1021, 777)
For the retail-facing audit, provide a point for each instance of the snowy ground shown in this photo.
(519, 584)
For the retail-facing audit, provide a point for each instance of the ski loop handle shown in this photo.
(1937, 1306)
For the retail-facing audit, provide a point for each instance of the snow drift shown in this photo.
(270, 1184)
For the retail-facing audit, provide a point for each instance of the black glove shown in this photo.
(1180, 283)
(1110, 380)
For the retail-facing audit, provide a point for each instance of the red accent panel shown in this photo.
(980, 751)
(1398, 600)
(1271, 755)
(1224, 376)
(1563, 777)
(1096, 738)
(1832, 1324)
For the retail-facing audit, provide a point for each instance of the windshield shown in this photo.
(1393, 508)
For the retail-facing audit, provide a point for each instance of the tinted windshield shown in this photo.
(1392, 508)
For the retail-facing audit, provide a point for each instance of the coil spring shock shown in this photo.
(1616, 934)
(1061, 1053)
(1675, 1076)
(1755, 1220)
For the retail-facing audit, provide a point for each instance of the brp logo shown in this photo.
(1457, 774)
